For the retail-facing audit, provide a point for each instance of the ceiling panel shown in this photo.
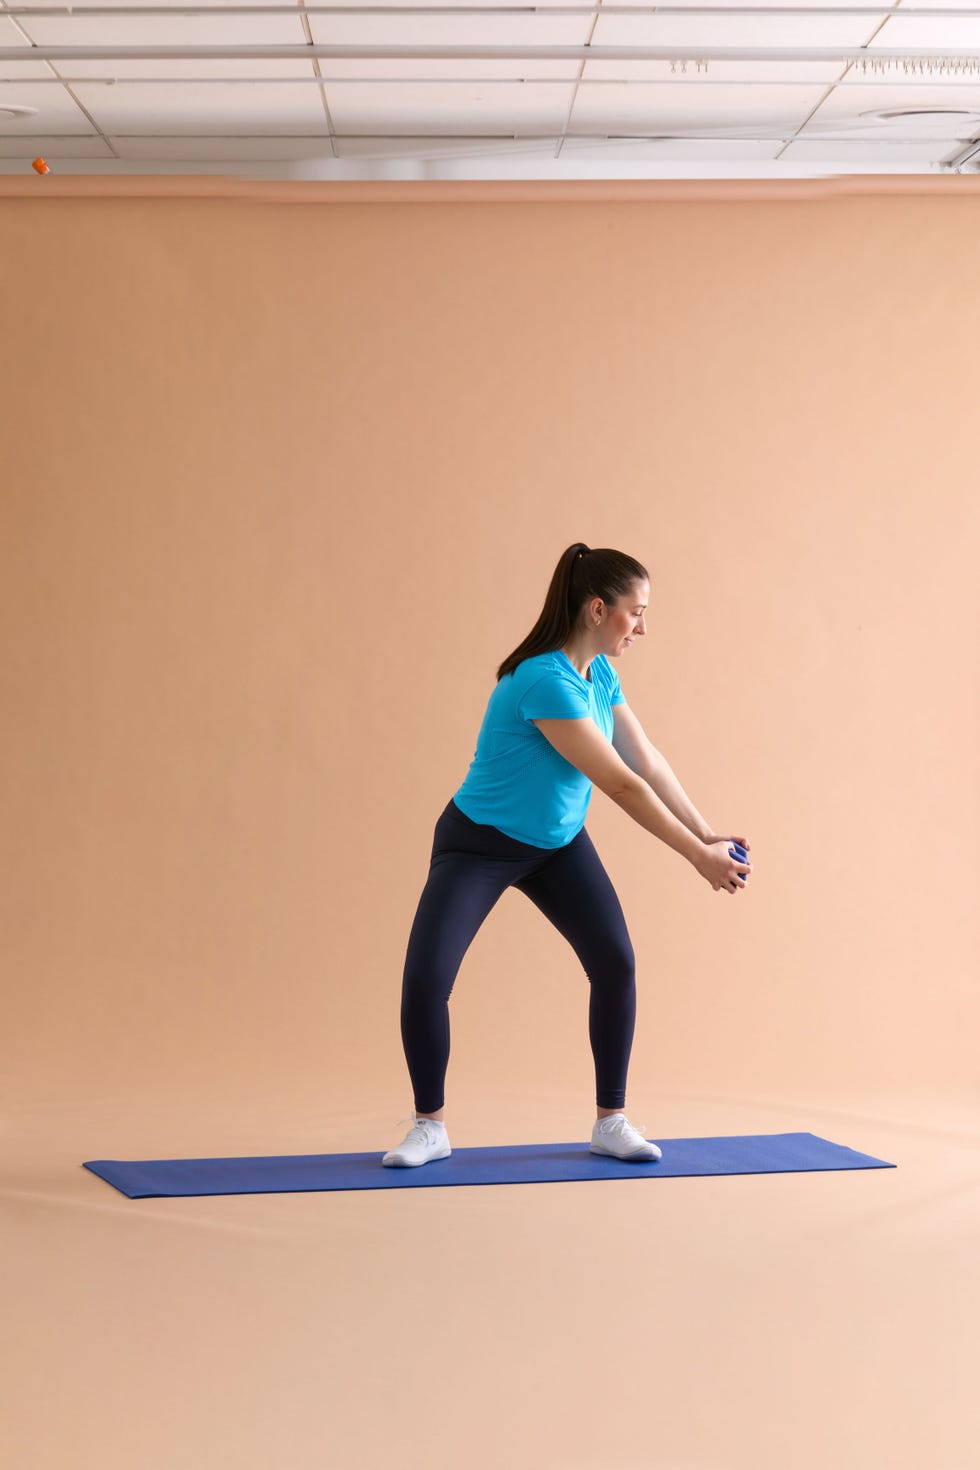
(165, 30)
(55, 111)
(29, 145)
(733, 30)
(940, 33)
(420, 107)
(217, 69)
(165, 149)
(726, 4)
(636, 74)
(185, 108)
(625, 109)
(696, 149)
(486, 146)
(406, 69)
(175, 5)
(527, 29)
(854, 102)
(873, 153)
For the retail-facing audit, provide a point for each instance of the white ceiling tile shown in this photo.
(175, 5)
(182, 109)
(857, 100)
(676, 149)
(356, 5)
(526, 29)
(733, 30)
(734, 4)
(633, 73)
(409, 146)
(165, 30)
(850, 131)
(217, 69)
(218, 148)
(29, 146)
(959, 34)
(394, 107)
(57, 112)
(341, 68)
(871, 153)
(656, 108)
(531, 30)
(544, 149)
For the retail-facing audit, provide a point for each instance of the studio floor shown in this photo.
(811, 1321)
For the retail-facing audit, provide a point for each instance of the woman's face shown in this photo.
(625, 621)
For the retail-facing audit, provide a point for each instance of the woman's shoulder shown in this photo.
(532, 668)
(551, 659)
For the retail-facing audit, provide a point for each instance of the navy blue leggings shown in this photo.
(470, 867)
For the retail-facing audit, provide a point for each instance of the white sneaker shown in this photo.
(615, 1135)
(425, 1140)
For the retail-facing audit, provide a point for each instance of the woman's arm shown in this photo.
(584, 746)
(635, 748)
(673, 795)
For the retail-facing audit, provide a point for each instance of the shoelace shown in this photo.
(418, 1122)
(620, 1125)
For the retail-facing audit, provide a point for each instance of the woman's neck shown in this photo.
(579, 659)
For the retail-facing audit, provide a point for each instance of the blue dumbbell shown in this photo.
(739, 853)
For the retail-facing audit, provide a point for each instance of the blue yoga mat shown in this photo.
(519, 1163)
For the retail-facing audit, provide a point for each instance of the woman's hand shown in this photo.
(719, 837)
(716, 864)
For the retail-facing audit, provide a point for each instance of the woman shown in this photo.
(556, 723)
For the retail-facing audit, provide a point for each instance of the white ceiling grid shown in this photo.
(812, 108)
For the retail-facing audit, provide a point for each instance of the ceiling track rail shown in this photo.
(324, 81)
(411, 11)
(679, 135)
(881, 56)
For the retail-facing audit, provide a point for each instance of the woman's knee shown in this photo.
(616, 968)
(425, 983)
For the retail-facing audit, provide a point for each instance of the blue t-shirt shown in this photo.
(517, 781)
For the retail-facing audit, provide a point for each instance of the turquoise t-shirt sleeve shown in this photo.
(553, 698)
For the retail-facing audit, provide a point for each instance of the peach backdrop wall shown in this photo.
(283, 485)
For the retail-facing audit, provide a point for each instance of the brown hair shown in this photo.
(580, 575)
